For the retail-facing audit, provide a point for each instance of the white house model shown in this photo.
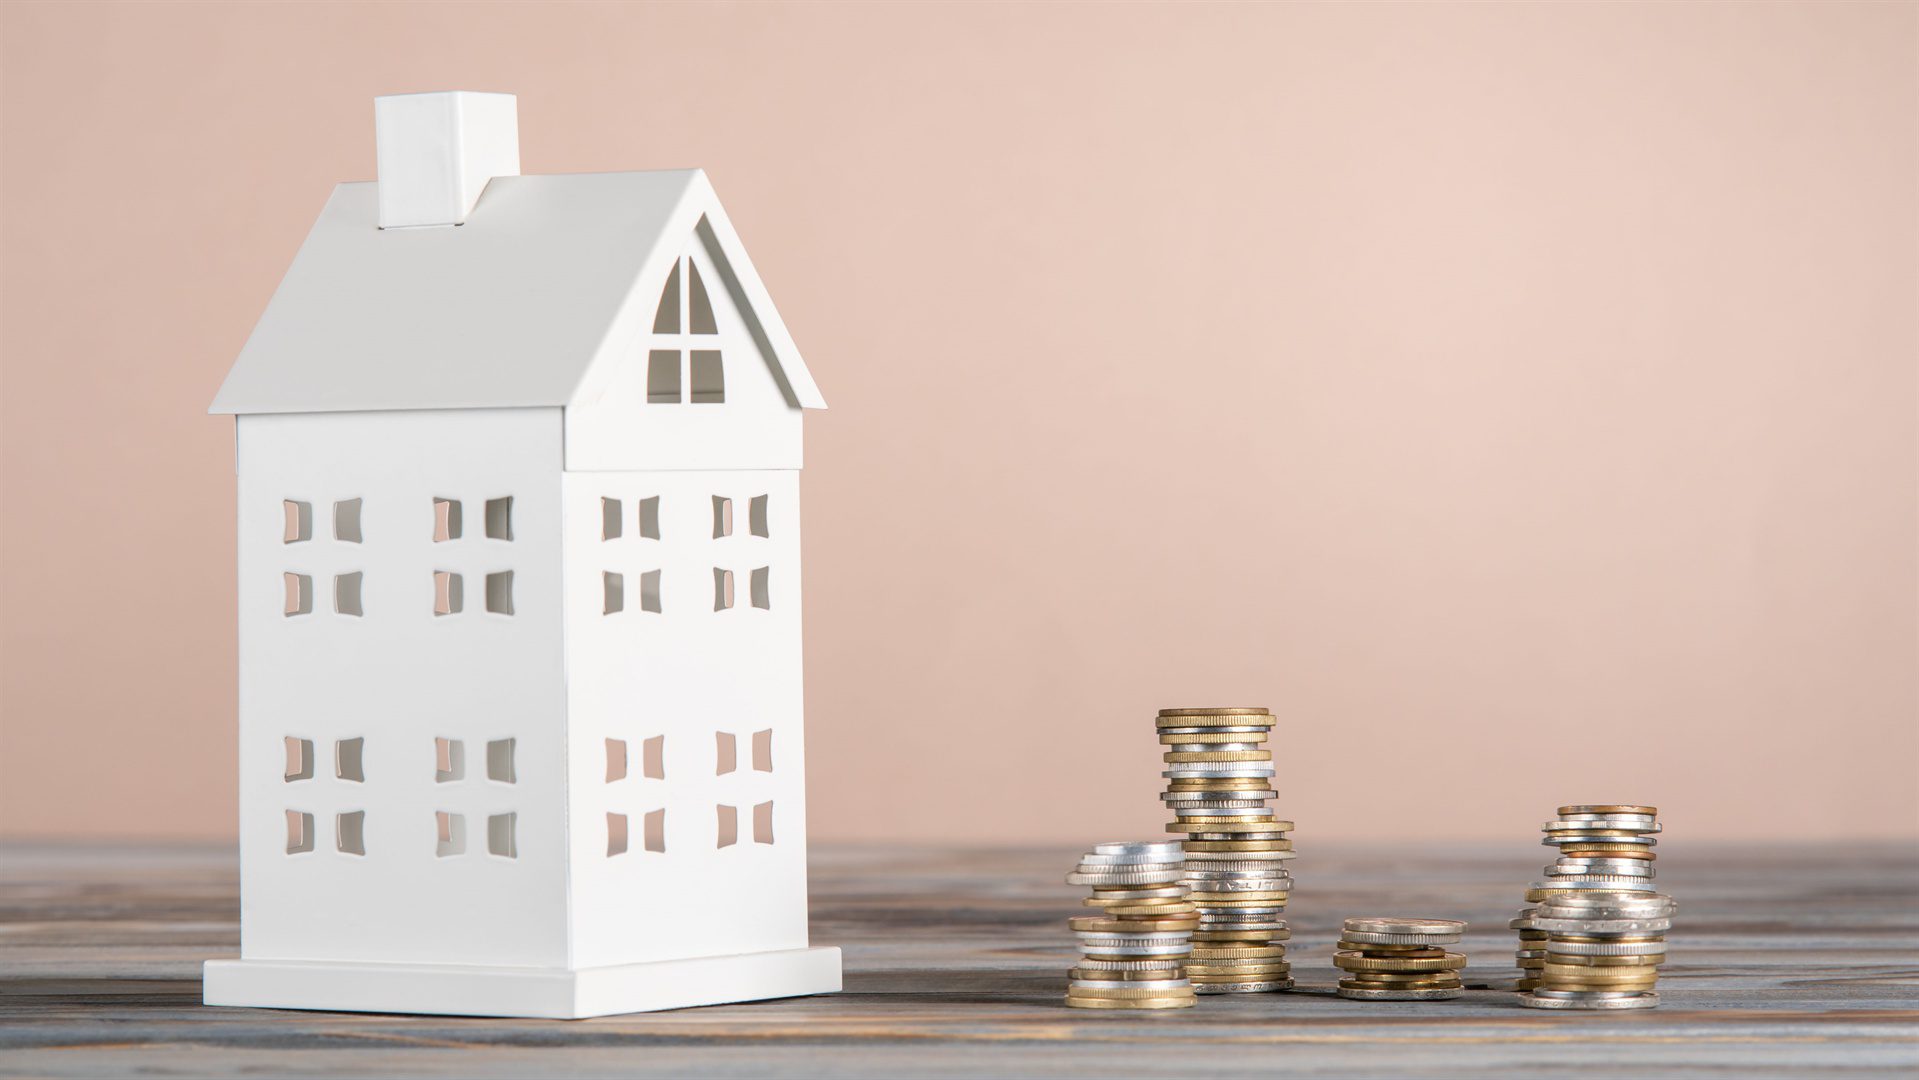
(519, 589)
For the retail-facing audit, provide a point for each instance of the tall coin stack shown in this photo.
(1400, 959)
(1219, 777)
(1604, 919)
(1131, 951)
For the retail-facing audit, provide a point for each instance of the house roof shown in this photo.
(513, 308)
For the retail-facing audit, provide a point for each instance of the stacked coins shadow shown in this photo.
(1219, 775)
(1604, 920)
(1132, 950)
(1399, 959)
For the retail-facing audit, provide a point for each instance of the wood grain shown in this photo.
(1785, 961)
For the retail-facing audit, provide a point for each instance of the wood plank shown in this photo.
(1784, 961)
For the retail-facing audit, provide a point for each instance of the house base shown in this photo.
(553, 993)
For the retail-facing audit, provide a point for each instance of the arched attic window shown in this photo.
(683, 360)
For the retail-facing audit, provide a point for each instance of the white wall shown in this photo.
(399, 676)
(686, 673)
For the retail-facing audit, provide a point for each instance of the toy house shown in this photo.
(519, 597)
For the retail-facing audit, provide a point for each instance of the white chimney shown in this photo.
(437, 151)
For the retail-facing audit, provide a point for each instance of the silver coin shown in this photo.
(1128, 862)
(1244, 728)
(1248, 866)
(1588, 899)
(1141, 870)
(1644, 1000)
(1576, 995)
(1262, 913)
(1399, 939)
(1130, 984)
(1594, 881)
(1213, 747)
(1604, 926)
(1185, 798)
(1220, 770)
(1130, 965)
(1602, 824)
(1231, 885)
(1165, 849)
(1135, 951)
(1164, 892)
(1550, 910)
(1582, 841)
(1392, 925)
(1400, 995)
(1633, 868)
(1150, 937)
(1265, 987)
(1197, 812)
(1608, 948)
(1529, 954)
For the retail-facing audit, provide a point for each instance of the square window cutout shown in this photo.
(499, 761)
(446, 520)
(499, 518)
(653, 758)
(346, 521)
(349, 760)
(615, 834)
(727, 752)
(722, 516)
(299, 759)
(609, 519)
(761, 589)
(655, 823)
(722, 589)
(449, 594)
(729, 826)
(346, 593)
(615, 760)
(499, 593)
(299, 832)
(499, 835)
(650, 517)
(298, 526)
(650, 591)
(449, 760)
(612, 593)
(450, 833)
(299, 593)
(763, 750)
(756, 516)
(763, 823)
(349, 832)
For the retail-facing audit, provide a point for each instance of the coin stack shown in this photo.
(1604, 920)
(1132, 950)
(1400, 959)
(1602, 847)
(1219, 775)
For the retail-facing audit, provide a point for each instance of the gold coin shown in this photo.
(1252, 953)
(1219, 825)
(1130, 911)
(1606, 851)
(1111, 993)
(1578, 973)
(1348, 962)
(1097, 924)
(1132, 1003)
(1230, 710)
(1609, 809)
(1366, 983)
(1408, 951)
(1239, 845)
(1607, 961)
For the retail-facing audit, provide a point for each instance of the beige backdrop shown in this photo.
(1520, 399)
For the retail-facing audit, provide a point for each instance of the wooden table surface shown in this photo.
(1784, 961)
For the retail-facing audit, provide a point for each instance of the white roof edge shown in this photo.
(786, 354)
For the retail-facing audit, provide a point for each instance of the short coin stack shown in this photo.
(1400, 959)
(1219, 775)
(1604, 920)
(1133, 949)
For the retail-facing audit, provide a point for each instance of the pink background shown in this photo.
(1520, 399)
